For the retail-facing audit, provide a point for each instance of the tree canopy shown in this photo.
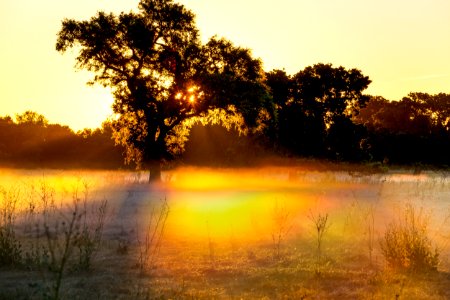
(315, 106)
(415, 129)
(162, 76)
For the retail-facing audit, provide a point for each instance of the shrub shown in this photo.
(406, 246)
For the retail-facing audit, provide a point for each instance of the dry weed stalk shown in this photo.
(370, 230)
(282, 225)
(149, 248)
(61, 242)
(89, 240)
(321, 225)
(65, 230)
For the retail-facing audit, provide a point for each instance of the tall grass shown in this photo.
(61, 240)
(10, 246)
(68, 231)
(150, 244)
(92, 225)
(54, 231)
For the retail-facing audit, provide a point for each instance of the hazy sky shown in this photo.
(402, 45)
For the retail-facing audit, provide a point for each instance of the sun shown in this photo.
(191, 94)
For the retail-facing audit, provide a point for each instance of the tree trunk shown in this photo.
(155, 171)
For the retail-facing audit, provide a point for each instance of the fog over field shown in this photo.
(240, 202)
(199, 224)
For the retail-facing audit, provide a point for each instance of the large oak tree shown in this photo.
(162, 76)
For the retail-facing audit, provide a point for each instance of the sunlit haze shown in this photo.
(219, 204)
(401, 45)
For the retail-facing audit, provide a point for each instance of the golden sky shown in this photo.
(402, 45)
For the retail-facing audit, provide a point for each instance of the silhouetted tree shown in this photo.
(280, 85)
(315, 108)
(435, 107)
(413, 130)
(161, 76)
(31, 117)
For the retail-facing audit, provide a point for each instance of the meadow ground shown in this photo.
(266, 233)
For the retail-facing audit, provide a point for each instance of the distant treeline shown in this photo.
(415, 130)
(321, 113)
(313, 120)
(30, 141)
(412, 131)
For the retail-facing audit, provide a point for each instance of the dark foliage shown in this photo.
(415, 130)
(315, 108)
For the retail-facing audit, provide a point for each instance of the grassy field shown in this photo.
(267, 233)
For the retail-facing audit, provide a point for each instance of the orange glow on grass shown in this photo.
(242, 205)
(223, 205)
(55, 187)
(210, 179)
(247, 216)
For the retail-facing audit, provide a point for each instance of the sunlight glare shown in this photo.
(218, 204)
